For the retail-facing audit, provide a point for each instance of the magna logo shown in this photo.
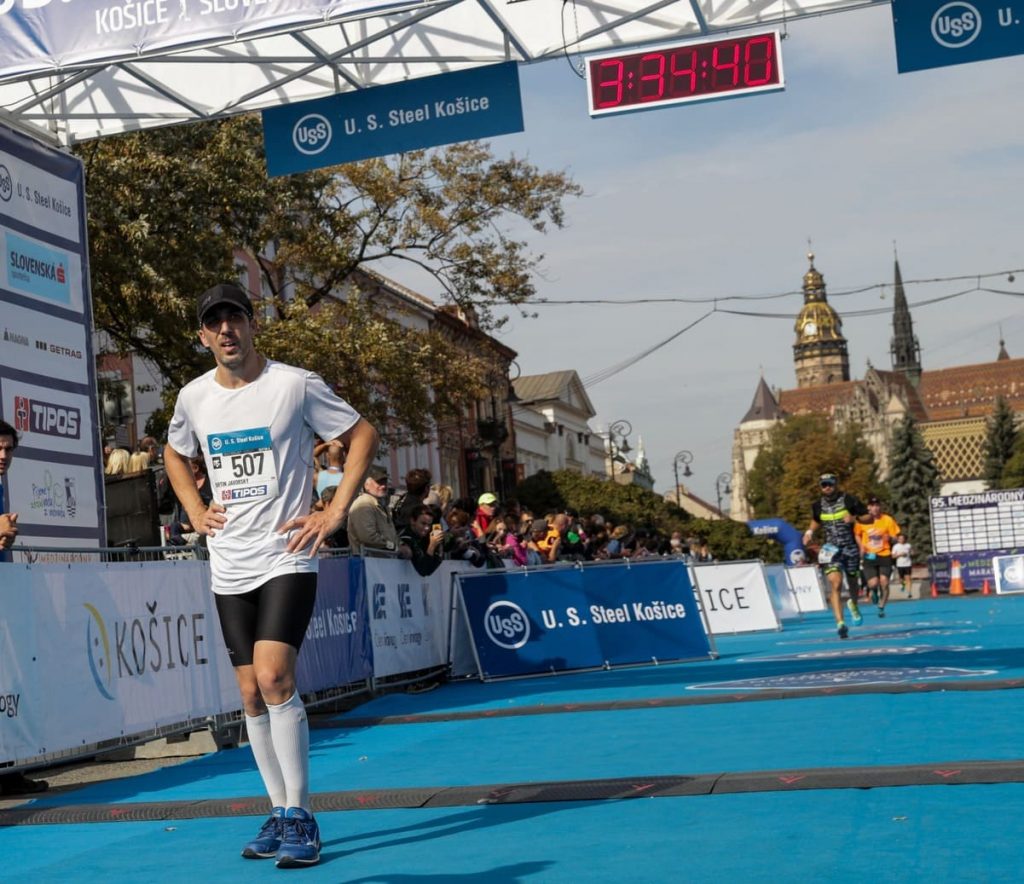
(507, 625)
(956, 25)
(36, 416)
(311, 134)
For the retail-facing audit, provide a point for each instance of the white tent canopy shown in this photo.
(72, 70)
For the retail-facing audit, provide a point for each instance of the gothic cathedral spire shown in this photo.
(905, 351)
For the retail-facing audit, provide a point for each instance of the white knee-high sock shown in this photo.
(290, 728)
(262, 745)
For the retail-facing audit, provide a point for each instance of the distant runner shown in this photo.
(835, 511)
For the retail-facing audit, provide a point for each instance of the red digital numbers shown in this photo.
(685, 73)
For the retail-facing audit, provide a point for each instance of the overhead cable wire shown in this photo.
(709, 299)
(611, 371)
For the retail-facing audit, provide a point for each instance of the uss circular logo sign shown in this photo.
(6, 184)
(311, 134)
(507, 625)
(956, 25)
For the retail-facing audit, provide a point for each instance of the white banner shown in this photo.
(43, 344)
(93, 652)
(806, 583)
(48, 419)
(52, 494)
(409, 616)
(735, 597)
(38, 198)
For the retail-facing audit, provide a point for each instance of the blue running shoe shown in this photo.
(843, 631)
(854, 612)
(300, 843)
(265, 844)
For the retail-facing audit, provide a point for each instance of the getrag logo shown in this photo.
(6, 184)
(507, 625)
(956, 25)
(311, 134)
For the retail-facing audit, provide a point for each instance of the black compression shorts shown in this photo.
(279, 611)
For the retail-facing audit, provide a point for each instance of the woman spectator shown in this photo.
(117, 463)
(138, 462)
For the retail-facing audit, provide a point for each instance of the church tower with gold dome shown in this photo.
(819, 354)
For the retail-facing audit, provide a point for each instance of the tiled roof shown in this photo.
(971, 390)
(817, 400)
(539, 387)
(942, 394)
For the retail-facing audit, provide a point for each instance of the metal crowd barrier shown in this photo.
(32, 555)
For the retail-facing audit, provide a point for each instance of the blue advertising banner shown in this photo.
(36, 35)
(543, 621)
(459, 106)
(975, 567)
(336, 649)
(936, 33)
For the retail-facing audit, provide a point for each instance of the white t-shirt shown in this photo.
(901, 552)
(257, 442)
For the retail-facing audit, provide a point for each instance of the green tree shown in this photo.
(1013, 472)
(168, 208)
(999, 443)
(630, 504)
(913, 481)
(783, 482)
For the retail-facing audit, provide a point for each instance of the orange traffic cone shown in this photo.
(985, 588)
(935, 590)
(956, 583)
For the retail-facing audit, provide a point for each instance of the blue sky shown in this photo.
(718, 199)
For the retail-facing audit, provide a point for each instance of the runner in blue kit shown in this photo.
(253, 421)
(835, 511)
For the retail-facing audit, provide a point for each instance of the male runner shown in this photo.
(836, 510)
(254, 420)
(875, 539)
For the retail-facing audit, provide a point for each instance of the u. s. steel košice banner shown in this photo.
(39, 35)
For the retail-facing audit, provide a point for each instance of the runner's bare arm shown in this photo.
(205, 520)
(315, 527)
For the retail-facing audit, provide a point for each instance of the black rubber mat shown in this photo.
(704, 699)
(623, 788)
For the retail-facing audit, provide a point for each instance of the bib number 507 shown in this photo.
(247, 464)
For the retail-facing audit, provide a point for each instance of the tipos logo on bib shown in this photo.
(242, 465)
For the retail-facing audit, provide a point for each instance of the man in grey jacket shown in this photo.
(369, 522)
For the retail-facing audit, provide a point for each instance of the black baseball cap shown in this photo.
(828, 479)
(223, 293)
(874, 499)
(378, 474)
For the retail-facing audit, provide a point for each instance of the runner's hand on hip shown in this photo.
(210, 520)
(312, 528)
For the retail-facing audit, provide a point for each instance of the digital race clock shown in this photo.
(682, 72)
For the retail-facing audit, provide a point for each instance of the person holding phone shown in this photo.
(422, 540)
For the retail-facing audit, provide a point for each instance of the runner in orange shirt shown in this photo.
(875, 541)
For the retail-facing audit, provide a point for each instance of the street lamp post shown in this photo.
(722, 486)
(685, 458)
(618, 444)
